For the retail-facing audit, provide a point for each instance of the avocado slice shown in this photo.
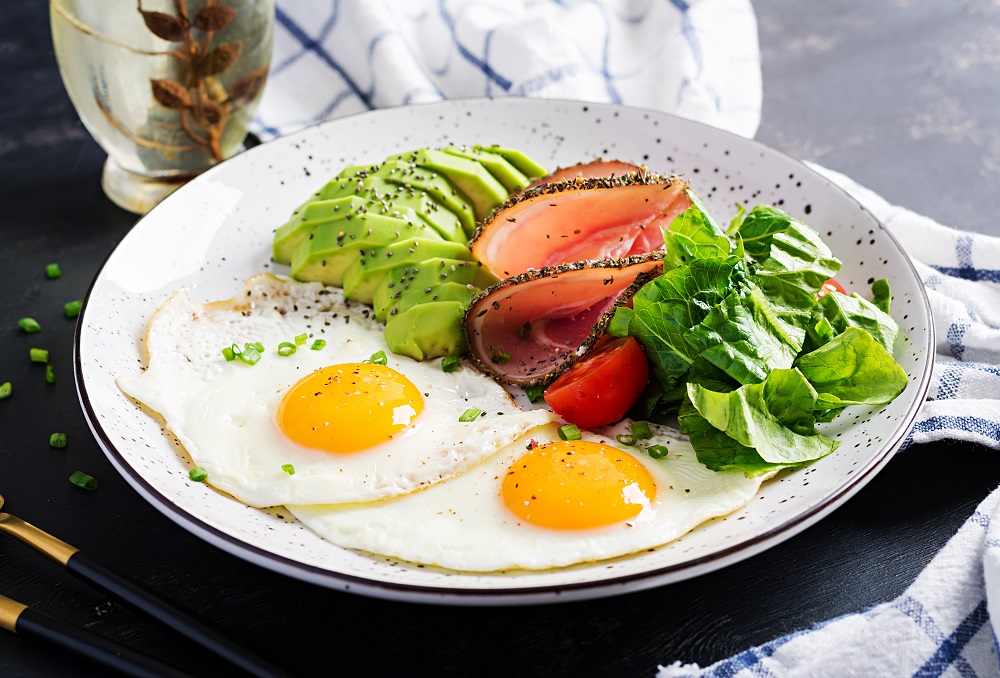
(476, 184)
(386, 196)
(305, 219)
(448, 291)
(417, 277)
(428, 330)
(371, 267)
(335, 245)
(523, 163)
(419, 180)
(508, 175)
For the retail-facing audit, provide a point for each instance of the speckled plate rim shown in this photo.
(454, 595)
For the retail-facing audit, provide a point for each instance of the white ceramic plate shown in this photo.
(215, 232)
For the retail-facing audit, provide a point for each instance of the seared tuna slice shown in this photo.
(579, 220)
(586, 170)
(527, 329)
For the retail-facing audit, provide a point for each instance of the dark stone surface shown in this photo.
(894, 94)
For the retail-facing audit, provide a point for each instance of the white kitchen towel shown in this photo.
(942, 625)
(696, 58)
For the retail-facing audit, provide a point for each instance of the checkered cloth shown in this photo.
(695, 58)
(698, 59)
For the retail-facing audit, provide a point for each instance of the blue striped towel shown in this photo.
(696, 58)
(699, 59)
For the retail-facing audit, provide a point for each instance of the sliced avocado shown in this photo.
(387, 197)
(448, 291)
(523, 163)
(418, 180)
(401, 279)
(441, 219)
(428, 330)
(476, 184)
(371, 267)
(305, 219)
(335, 245)
(508, 175)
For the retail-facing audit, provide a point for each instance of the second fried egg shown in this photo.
(549, 503)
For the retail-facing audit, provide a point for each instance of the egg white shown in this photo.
(463, 524)
(223, 412)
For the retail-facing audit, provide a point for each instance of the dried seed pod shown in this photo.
(221, 58)
(214, 17)
(163, 25)
(170, 94)
(249, 86)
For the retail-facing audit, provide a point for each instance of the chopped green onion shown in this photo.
(657, 451)
(450, 363)
(288, 468)
(29, 325)
(72, 308)
(500, 356)
(57, 440)
(378, 358)
(470, 414)
(625, 439)
(250, 355)
(52, 271)
(525, 330)
(228, 353)
(198, 474)
(39, 355)
(50, 374)
(569, 432)
(534, 393)
(301, 338)
(641, 430)
(82, 480)
(318, 345)
(256, 345)
(5, 390)
(286, 348)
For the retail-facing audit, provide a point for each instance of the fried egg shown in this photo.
(316, 426)
(544, 504)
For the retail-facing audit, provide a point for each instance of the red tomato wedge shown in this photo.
(830, 285)
(599, 389)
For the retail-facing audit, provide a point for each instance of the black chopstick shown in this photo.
(183, 621)
(28, 622)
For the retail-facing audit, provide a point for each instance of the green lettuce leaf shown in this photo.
(667, 306)
(852, 369)
(758, 227)
(718, 451)
(745, 416)
(843, 311)
(795, 268)
(882, 295)
(741, 338)
(693, 234)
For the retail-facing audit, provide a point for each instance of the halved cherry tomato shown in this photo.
(599, 389)
(830, 285)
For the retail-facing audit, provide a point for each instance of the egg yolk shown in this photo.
(577, 484)
(349, 407)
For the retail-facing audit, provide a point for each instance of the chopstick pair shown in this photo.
(17, 617)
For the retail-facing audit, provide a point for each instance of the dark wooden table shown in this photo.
(900, 96)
